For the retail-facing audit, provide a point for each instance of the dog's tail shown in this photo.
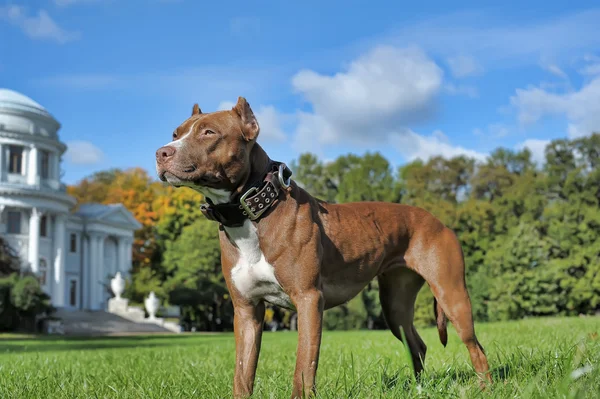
(441, 321)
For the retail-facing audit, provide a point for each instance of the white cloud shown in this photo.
(465, 90)
(555, 70)
(268, 118)
(579, 107)
(496, 43)
(592, 69)
(373, 101)
(382, 90)
(556, 85)
(313, 132)
(415, 146)
(39, 27)
(537, 148)
(83, 153)
(462, 66)
(225, 105)
(270, 123)
(494, 130)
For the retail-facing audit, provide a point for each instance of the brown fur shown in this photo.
(324, 254)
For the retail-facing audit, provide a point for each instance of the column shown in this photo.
(96, 271)
(121, 256)
(86, 272)
(2, 166)
(93, 273)
(58, 296)
(32, 170)
(128, 255)
(34, 240)
(56, 174)
(101, 273)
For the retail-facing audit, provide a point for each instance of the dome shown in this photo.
(12, 100)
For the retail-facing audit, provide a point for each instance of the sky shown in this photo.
(408, 79)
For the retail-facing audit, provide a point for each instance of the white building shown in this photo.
(74, 253)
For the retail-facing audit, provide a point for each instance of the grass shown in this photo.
(535, 358)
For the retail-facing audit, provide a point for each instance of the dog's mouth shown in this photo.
(172, 179)
(190, 179)
(177, 176)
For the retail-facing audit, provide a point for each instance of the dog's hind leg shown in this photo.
(443, 268)
(398, 289)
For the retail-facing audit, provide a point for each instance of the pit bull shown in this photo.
(281, 245)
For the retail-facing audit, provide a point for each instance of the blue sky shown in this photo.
(410, 80)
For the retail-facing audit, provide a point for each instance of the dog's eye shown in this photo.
(174, 135)
(208, 131)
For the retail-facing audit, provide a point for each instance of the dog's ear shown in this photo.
(196, 110)
(250, 128)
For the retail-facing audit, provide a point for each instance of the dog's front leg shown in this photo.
(309, 305)
(247, 326)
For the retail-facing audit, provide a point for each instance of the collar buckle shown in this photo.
(249, 210)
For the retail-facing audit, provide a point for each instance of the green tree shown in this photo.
(9, 259)
(517, 266)
(530, 233)
(22, 299)
(311, 174)
(197, 284)
(366, 178)
(349, 316)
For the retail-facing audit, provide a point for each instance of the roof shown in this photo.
(10, 99)
(111, 214)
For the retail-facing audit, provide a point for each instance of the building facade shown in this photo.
(74, 251)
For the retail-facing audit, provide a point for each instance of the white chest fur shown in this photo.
(252, 275)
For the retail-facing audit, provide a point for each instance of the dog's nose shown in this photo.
(164, 153)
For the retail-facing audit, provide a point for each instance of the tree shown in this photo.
(9, 259)
(311, 174)
(366, 178)
(162, 210)
(349, 316)
(530, 233)
(197, 284)
(22, 299)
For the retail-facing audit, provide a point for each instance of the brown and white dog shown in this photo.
(283, 246)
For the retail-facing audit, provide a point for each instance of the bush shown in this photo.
(349, 316)
(9, 259)
(22, 299)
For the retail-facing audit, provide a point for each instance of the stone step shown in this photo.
(103, 323)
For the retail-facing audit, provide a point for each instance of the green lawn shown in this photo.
(530, 358)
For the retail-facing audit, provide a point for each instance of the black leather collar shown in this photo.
(256, 200)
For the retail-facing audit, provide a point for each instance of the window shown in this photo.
(14, 222)
(73, 293)
(43, 271)
(73, 245)
(45, 165)
(44, 226)
(15, 159)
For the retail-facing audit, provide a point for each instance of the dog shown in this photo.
(281, 245)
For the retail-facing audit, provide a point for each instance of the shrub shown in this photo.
(22, 299)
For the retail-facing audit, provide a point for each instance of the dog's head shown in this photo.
(210, 151)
